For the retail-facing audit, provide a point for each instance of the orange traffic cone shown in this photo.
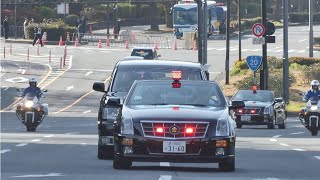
(108, 41)
(99, 44)
(127, 45)
(156, 46)
(76, 43)
(195, 45)
(60, 42)
(175, 45)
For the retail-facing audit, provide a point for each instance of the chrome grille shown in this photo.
(149, 129)
(246, 111)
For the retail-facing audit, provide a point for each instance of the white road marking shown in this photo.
(47, 136)
(4, 151)
(164, 164)
(23, 71)
(72, 133)
(302, 40)
(283, 144)
(36, 140)
(85, 112)
(88, 73)
(292, 51)
(17, 80)
(317, 157)
(70, 87)
(301, 51)
(83, 144)
(276, 136)
(101, 70)
(273, 140)
(22, 144)
(298, 133)
(39, 175)
(165, 177)
(299, 149)
(255, 50)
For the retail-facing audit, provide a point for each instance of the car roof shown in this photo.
(132, 58)
(152, 48)
(249, 90)
(146, 62)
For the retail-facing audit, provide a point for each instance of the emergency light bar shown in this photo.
(176, 76)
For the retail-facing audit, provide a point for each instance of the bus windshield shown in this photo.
(185, 17)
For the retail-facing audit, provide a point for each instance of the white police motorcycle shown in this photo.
(310, 117)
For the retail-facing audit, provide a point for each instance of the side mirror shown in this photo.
(237, 104)
(278, 100)
(113, 101)
(208, 75)
(98, 86)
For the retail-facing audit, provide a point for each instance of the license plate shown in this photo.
(107, 140)
(174, 146)
(245, 118)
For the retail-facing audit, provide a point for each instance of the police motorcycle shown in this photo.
(310, 116)
(31, 112)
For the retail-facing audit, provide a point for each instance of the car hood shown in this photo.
(256, 104)
(169, 112)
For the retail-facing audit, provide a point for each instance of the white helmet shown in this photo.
(33, 80)
(315, 83)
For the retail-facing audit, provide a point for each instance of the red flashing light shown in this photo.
(175, 108)
(176, 85)
(220, 4)
(159, 130)
(189, 130)
(176, 75)
(254, 88)
(252, 111)
(240, 111)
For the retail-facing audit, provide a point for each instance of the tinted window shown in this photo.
(190, 93)
(263, 96)
(145, 53)
(126, 75)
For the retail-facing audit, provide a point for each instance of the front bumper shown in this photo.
(105, 131)
(197, 150)
(254, 119)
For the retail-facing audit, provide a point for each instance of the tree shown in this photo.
(154, 17)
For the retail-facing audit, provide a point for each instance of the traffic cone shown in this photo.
(99, 44)
(156, 46)
(42, 41)
(195, 45)
(127, 45)
(175, 45)
(60, 42)
(108, 42)
(76, 43)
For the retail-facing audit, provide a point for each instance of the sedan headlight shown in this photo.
(222, 128)
(267, 110)
(314, 108)
(110, 113)
(29, 104)
(127, 126)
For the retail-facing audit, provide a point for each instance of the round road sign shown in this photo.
(258, 29)
(217, 23)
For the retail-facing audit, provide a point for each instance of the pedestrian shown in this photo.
(78, 26)
(37, 35)
(6, 27)
(25, 24)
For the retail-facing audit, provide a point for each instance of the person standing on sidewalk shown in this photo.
(6, 27)
(37, 35)
(25, 24)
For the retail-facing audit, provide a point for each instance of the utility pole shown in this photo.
(239, 18)
(15, 19)
(264, 69)
(228, 42)
(311, 28)
(285, 80)
(200, 31)
(205, 32)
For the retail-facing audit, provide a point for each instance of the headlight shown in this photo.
(222, 127)
(267, 110)
(29, 104)
(127, 126)
(110, 113)
(314, 108)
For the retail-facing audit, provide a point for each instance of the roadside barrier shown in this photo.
(60, 41)
(99, 44)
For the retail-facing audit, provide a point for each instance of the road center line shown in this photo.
(22, 144)
(299, 150)
(88, 73)
(298, 133)
(302, 40)
(165, 177)
(4, 151)
(69, 88)
(85, 112)
(276, 136)
(283, 144)
(273, 140)
(47, 136)
(317, 157)
(164, 164)
(36, 140)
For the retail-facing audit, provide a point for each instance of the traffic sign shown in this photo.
(271, 28)
(254, 62)
(258, 40)
(217, 23)
(258, 29)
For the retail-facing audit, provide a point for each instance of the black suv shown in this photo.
(123, 76)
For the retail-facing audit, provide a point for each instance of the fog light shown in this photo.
(219, 152)
(221, 143)
(128, 150)
(126, 141)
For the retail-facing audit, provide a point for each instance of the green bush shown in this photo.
(304, 60)
(311, 72)
(71, 20)
(46, 12)
(317, 41)
(303, 17)
(54, 30)
(245, 23)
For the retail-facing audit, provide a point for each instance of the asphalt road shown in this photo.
(65, 144)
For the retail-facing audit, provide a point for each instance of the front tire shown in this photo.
(31, 129)
(121, 163)
(228, 166)
(105, 152)
(271, 126)
(314, 133)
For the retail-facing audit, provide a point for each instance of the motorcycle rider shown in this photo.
(313, 92)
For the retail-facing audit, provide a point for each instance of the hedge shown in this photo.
(245, 23)
(317, 41)
(54, 30)
(303, 17)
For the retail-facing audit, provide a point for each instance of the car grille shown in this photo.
(149, 129)
(247, 111)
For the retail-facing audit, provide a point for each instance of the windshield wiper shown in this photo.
(155, 104)
(200, 105)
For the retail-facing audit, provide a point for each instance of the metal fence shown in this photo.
(12, 31)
